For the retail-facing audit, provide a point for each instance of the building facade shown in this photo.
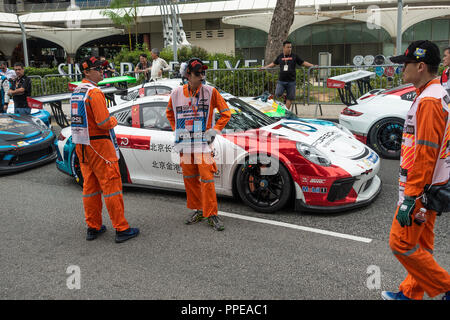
(340, 27)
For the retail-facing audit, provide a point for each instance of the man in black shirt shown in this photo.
(286, 80)
(20, 90)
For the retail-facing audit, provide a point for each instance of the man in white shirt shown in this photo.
(4, 71)
(158, 65)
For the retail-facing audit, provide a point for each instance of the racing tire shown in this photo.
(76, 169)
(385, 137)
(78, 176)
(263, 193)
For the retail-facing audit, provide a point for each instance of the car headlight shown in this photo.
(313, 155)
(39, 122)
(340, 126)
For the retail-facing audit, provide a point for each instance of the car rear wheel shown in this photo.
(76, 169)
(385, 137)
(266, 193)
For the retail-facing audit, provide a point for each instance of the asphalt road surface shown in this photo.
(288, 255)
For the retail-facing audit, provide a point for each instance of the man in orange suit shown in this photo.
(97, 151)
(425, 160)
(191, 114)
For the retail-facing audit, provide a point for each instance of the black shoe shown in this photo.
(92, 233)
(125, 235)
(197, 216)
(215, 222)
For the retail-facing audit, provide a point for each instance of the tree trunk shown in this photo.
(283, 17)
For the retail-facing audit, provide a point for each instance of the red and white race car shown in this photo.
(378, 117)
(267, 163)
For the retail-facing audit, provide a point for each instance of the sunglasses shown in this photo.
(198, 73)
(99, 69)
(408, 62)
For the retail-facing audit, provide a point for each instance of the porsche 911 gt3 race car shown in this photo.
(159, 87)
(44, 115)
(25, 142)
(267, 163)
(378, 117)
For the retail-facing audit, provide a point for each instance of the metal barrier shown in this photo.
(37, 86)
(316, 82)
(245, 82)
(56, 83)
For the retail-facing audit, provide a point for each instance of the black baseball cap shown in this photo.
(91, 62)
(195, 65)
(420, 51)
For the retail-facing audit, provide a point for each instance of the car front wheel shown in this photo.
(385, 137)
(261, 189)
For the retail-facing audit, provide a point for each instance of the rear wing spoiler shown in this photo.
(344, 83)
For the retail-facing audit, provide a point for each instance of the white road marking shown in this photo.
(297, 227)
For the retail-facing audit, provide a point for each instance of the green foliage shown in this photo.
(185, 53)
(125, 55)
(30, 71)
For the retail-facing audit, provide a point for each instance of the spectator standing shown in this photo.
(108, 72)
(20, 90)
(424, 161)
(4, 71)
(143, 67)
(158, 65)
(4, 97)
(445, 78)
(286, 80)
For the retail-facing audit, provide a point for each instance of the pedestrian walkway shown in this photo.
(329, 111)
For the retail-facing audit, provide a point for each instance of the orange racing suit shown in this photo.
(99, 165)
(425, 159)
(198, 164)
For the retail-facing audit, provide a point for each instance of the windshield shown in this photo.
(245, 117)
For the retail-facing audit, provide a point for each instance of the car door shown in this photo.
(160, 162)
(129, 137)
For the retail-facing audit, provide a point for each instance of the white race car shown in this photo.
(159, 87)
(378, 117)
(265, 162)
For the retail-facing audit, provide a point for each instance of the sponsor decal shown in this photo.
(409, 129)
(326, 139)
(35, 140)
(373, 157)
(159, 147)
(135, 116)
(314, 189)
(77, 120)
(134, 142)
(22, 143)
(318, 181)
(75, 108)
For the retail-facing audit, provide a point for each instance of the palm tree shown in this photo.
(122, 14)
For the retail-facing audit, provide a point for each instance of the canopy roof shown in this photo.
(386, 17)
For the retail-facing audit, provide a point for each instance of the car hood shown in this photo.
(14, 127)
(323, 135)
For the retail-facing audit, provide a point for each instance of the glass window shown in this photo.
(408, 35)
(336, 33)
(319, 34)
(369, 35)
(440, 29)
(154, 116)
(353, 33)
(123, 117)
(249, 38)
(302, 36)
(422, 30)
